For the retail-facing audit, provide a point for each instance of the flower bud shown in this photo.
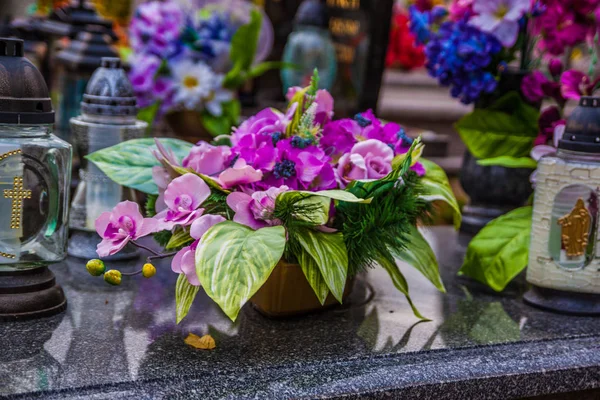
(148, 270)
(95, 267)
(113, 277)
(555, 67)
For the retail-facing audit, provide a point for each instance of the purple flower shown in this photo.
(155, 28)
(339, 137)
(184, 261)
(387, 133)
(256, 210)
(500, 18)
(183, 197)
(239, 174)
(143, 71)
(555, 66)
(531, 86)
(371, 159)
(574, 84)
(119, 226)
(549, 119)
(207, 159)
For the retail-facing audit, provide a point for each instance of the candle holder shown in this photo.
(34, 179)
(564, 257)
(108, 117)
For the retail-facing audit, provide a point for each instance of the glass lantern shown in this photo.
(564, 258)
(109, 110)
(310, 46)
(35, 169)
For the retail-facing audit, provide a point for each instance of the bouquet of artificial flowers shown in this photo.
(335, 197)
(195, 59)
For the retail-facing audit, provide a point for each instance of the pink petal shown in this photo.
(109, 247)
(236, 200)
(188, 267)
(128, 209)
(176, 262)
(203, 224)
(149, 225)
(188, 184)
(374, 147)
(507, 32)
(539, 151)
(102, 223)
(239, 176)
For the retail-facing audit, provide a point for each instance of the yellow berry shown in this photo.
(95, 267)
(113, 277)
(148, 270)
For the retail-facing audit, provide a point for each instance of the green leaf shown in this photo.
(313, 276)
(329, 252)
(232, 109)
(263, 67)
(389, 264)
(216, 125)
(180, 239)
(130, 163)
(185, 293)
(509, 162)
(437, 188)
(419, 255)
(243, 50)
(148, 114)
(234, 261)
(313, 209)
(507, 128)
(340, 195)
(499, 252)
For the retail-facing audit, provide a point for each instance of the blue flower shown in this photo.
(419, 24)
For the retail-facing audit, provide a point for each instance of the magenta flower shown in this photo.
(555, 66)
(339, 137)
(183, 197)
(119, 226)
(500, 18)
(256, 210)
(560, 28)
(239, 174)
(371, 159)
(547, 122)
(262, 126)
(574, 84)
(460, 8)
(184, 261)
(207, 159)
(143, 70)
(531, 86)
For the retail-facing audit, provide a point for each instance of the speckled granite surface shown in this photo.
(122, 343)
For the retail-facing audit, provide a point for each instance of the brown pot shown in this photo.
(287, 293)
(187, 125)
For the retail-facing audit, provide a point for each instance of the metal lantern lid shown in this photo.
(86, 51)
(312, 13)
(109, 91)
(72, 19)
(582, 132)
(24, 97)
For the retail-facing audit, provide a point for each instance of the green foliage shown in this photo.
(179, 240)
(509, 162)
(234, 261)
(163, 238)
(313, 276)
(130, 163)
(185, 293)
(437, 188)
(148, 114)
(329, 253)
(222, 124)
(314, 83)
(500, 251)
(507, 128)
(150, 205)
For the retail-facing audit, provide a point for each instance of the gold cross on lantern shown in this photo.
(17, 194)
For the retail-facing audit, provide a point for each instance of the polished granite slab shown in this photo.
(123, 343)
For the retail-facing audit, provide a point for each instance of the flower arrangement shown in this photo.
(403, 52)
(194, 60)
(334, 196)
(469, 46)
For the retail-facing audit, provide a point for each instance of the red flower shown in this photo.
(403, 52)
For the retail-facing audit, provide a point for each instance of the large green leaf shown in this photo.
(509, 162)
(185, 293)
(437, 188)
(329, 252)
(313, 276)
(508, 128)
(389, 264)
(130, 163)
(243, 50)
(234, 261)
(499, 252)
(420, 255)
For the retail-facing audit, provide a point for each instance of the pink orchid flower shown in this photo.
(574, 84)
(207, 159)
(239, 174)
(119, 226)
(255, 211)
(183, 197)
(184, 261)
(371, 159)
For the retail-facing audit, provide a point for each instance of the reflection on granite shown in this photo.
(123, 343)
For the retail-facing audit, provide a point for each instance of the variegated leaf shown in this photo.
(185, 293)
(437, 187)
(180, 239)
(329, 252)
(313, 276)
(234, 261)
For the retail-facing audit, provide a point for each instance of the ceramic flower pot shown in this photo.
(187, 125)
(288, 293)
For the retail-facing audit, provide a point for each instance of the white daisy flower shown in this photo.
(194, 83)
